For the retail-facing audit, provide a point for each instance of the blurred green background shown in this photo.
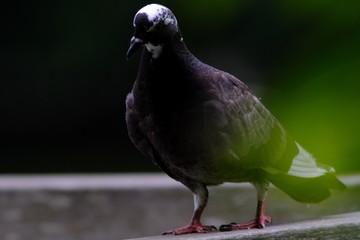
(64, 77)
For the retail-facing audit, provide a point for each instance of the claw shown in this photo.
(170, 232)
(226, 227)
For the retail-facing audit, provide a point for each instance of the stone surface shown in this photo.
(345, 226)
(94, 207)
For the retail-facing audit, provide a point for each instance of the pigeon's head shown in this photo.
(154, 26)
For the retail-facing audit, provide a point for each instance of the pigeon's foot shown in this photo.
(193, 228)
(256, 223)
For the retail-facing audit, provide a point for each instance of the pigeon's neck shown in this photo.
(178, 46)
(173, 49)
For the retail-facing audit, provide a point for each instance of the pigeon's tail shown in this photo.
(306, 181)
(308, 190)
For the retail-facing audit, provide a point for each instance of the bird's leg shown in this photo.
(200, 200)
(260, 219)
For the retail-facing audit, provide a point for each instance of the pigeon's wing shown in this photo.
(251, 133)
(133, 121)
(254, 139)
(134, 124)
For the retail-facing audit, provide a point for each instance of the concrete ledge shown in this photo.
(345, 226)
(86, 182)
(93, 207)
(109, 182)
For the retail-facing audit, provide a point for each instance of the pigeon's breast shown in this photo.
(180, 114)
(171, 117)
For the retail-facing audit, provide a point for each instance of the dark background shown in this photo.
(64, 77)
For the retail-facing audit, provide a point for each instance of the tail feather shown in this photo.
(306, 181)
(308, 190)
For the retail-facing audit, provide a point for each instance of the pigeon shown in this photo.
(203, 126)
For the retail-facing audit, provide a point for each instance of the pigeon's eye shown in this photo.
(158, 27)
(142, 35)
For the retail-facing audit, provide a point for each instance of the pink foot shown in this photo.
(193, 228)
(256, 223)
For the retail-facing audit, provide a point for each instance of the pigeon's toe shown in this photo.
(192, 228)
(256, 223)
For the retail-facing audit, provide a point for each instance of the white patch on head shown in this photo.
(154, 50)
(157, 13)
(153, 10)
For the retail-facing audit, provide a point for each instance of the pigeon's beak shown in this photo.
(135, 43)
